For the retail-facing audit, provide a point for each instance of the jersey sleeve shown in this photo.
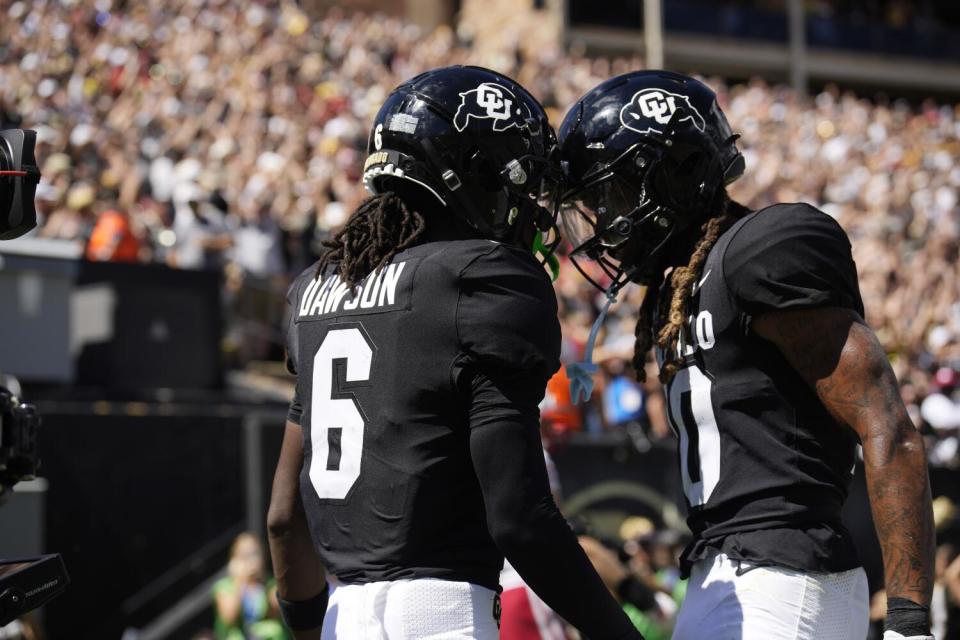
(791, 256)
(507, 316)
(291, 348)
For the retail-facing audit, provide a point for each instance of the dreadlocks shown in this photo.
(667, 306)
(381, 227)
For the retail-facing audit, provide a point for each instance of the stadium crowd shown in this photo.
(208, 134)
(230, 136)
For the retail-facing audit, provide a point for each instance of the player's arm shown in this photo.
(838, 355)
(523, 519)
(510, 340)
(301, 581)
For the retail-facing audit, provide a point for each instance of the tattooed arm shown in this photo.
(839, 356)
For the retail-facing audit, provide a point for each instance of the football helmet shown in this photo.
(644, 156)
(476, 141)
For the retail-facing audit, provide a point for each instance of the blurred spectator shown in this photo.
(245, 600)
(233, 136)
(202, 234)
(112, 239)
(558, 415)
(73, 220)
(25, 628)
(653, 557)
(630, 588)
(665, 547)
(624, 403)
(257, 243)
(945, 605)
(941, 410)
(948, 620)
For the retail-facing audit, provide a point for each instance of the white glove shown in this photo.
(893, 635)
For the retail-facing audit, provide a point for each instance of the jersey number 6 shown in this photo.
(336, 420)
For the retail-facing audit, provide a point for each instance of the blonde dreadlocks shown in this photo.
(668, 305)
(381, 227)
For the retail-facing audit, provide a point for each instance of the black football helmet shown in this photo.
(645, 156)
(473, 139)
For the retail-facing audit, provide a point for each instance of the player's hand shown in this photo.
(605, 562)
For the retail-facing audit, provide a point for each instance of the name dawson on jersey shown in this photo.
(324, 296)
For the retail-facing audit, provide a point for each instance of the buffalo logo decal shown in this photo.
(651, 109)
(488, 101)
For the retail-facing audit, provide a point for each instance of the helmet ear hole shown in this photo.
(479, 167)
(416, 196)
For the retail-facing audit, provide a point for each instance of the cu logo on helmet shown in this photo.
(489, 101)
(652, 107)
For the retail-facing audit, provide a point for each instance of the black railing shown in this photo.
(926, 36)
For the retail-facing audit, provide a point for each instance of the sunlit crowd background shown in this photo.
(214, 135)
(204, 134)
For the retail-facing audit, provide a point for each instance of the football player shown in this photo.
(772, 376)
(422, 342)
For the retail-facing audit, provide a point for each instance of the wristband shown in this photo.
(907, 617)
(305, 615)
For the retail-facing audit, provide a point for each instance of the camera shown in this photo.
(28, 583)
(25, 583)
(19, 177)
(18, 441)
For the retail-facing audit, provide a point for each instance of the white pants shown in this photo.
(772, 603)
(424, 608)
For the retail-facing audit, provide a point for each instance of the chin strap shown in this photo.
(581, 373)
(546, 255)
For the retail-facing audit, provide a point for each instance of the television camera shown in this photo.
(25, 583)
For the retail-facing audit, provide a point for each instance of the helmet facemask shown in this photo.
(623, 214)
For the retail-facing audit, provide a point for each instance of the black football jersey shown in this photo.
(387, 482)
(765, 468)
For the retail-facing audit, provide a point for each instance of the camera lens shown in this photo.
(18, 182)
(7, 184)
